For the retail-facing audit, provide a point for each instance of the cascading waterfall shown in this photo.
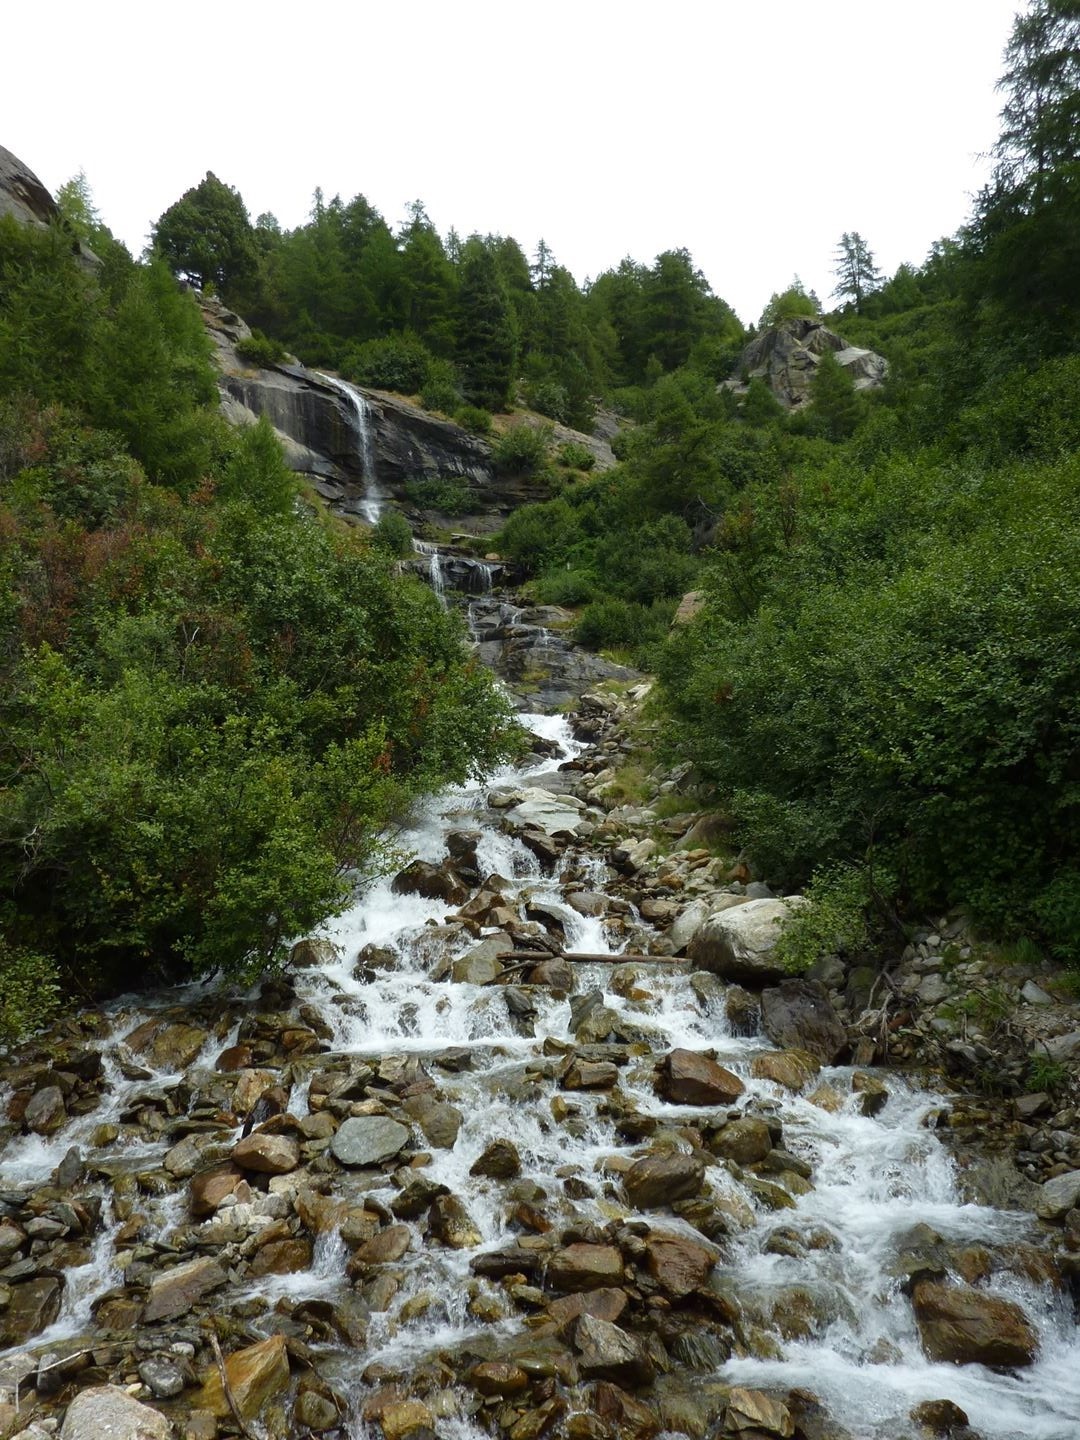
(372, 503)
(436, 578)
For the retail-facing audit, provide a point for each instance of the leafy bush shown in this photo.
(565, 587)
(612, 624)
(537, 535)
(550, 399)
(441, 389)
(575, 456)
(392, 534)
(522, 449)
(448, 494)
(394, 363)
(834, 922)
(474, 419)
(29, 992)
(260, 349)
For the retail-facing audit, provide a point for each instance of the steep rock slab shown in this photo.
(786, 357)
(254, 1375)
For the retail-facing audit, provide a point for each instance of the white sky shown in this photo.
(751, 133)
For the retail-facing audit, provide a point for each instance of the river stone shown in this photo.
(1058, 1196)
(34, 1306)
(498, 1377)
(963, 1326)
(1064, 1047)
(312, 954)
(584, 1267)
(211, 1187)
(873, 1093)
(542, 810)
(678, 1266)
(453, 1225)
(500, 1161)
(167, 1047)
(481, 965)
(282, 1257)
(739, 943)
(385, 1248)
(940, 1417)
(406, 1420)
(605, 1303)
(556, 973)
(745, 1140)
(661, 1179)
(798, 1015)
(175, 1291)
(254, 1374)
(368, 1140)
(590, 1075)
(162, 1376)
(432, 882)
(689, 1078)
(754, 1410)
(794, 1069)
(45, 1112)
(607, 1353)
(439, 1120)
(267, 1154)
(105, 1412)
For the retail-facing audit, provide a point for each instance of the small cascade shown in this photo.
(372, 503)
(436, 576)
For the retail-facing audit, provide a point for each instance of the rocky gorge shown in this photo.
(538, 1139)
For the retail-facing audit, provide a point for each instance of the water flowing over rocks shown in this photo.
(538, 1140)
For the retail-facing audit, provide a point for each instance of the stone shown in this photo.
(798, 1015)
(754, 1410)
(500, 1161)
(590, 1075)
(163, 1376)
(794, 1069)
(963, 1326)
(679, 1266)
(368, 1140)
(315, 1412)
(481, 965)
(939, 1417)
(170, 1047)
(739, 943)
(439, 1121)
(432, 882)
(33, 1307)
(662, 1178)
(498, 1377)
(46, 1111)
(388, 1246)
(540, 809)
(402, 1419)
(211, 1187)
(873, 1093)
(267, 1154)
(1063, 1048)
(453, 1225)
(105, 1412)
(313, 954)
(585, 1267)
(556, 973)
(786, 356)
(689, 607)
(282, 1257)
(607, 1353)
(745, 1140)
(687, 1077)
(605, 1303)
(23, 195)
(175, 1291)
(1058, 1196)
(255, 1374)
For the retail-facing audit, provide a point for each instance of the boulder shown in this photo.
(386, 1247)
(679, 1266)
(1058, 1196)
(663, 1178)
(500, 1161)
(498, 1377)
(607, 1353)
(267, 1154)
(282, 1257)
(45, 1112)
(798, 1015)
(585, 1267)
(368, 1140)
(963, 1326)
(794, 1069)
(739, 943)
(605, 1303)
(439, 1121)
(452, 1224)
(254, 1374)
(175, 1291)
(786, 357)
(540, 809)
(165, 1046)
(432, 882)
(22, 194)
(755, 1411)
(745, 1140)
(590, 1075)
(105, 1412)
(211, 1187)
(33, 1307)
(481, 965)
(687, 1077)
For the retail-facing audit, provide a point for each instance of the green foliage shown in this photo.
(446, 493)
(549, 398)
(392, 534)
(486, 335)
(474, 419)
(1046, 1074)
(614, 624)
(836, 408)
(791, 304)
(29, 992)
(521, 449)
(206, 236)
(260, 349)
(395, 363)
(562, 586)
(834, 922)
(575, 456)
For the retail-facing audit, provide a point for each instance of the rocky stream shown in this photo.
(537, 1139)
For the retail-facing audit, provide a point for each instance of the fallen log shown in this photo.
(535, 957)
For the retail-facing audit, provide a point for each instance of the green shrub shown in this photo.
(550, 399)
(522, 449)
(474, 419)
(260, 349)
(441, 389)
(446, 493)
(538, 535)
(29, 992)
(575, 456)
(392, 534)
(565, 587)
(395, 363)
(612, 624)
(834, 922)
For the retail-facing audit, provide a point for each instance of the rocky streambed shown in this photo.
(446, 1177)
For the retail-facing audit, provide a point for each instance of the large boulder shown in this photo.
(1058, 1196)
(964, 1326)
(254, 1375)
(786, 357)
(798, 1015)
(267, 1154)
(175, 1291)
(585, 1267)
(739, 943)
(663, 1178)
(105, 1412)
(607, 1353)
(368, 1140)
(687, 1077)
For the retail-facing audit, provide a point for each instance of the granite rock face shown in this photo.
(22, 194)
(787, 355)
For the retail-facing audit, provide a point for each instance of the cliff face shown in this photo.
(22, 194)
(787, 355)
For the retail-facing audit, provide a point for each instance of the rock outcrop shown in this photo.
(22, 194)
(786, 356)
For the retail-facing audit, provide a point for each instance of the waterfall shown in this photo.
(372, 503)
(436, 577)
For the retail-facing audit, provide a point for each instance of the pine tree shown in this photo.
(486, 339)
(855, 270)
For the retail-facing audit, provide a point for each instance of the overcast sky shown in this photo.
(751, 133)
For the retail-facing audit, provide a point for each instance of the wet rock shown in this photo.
(267, 1154)
(556, 973)
(679, 1266)
(416, 1196)
(605, 1303)
(498, 1377)
(192, 1154)
(742, 1010)
(163, 1376)
(281, 1257)
(1058, 1196)
(211, 1187)
(588, 902)
(366, 1140)
(963, 1326)
(739, 943)
(315, 1411)
(798, 1015)
(171, 1047)
(46, 1111)
(385, 1248)
(687, 1077)
(585, 1267)
(794, 1069)
(746, 1140)
(500, 1161)
(873, 1093)
(660, 1179)
(607, 1353)
(939, 1417)
(590, 1075)
(313, 954)
(105, 1412)
(433, 882)
(33, 1307)
(175, 1291)
(481, 965)
(406, 1420)
(453, 1225)
(438, 1120)
(255, 1374)
(754, 1410)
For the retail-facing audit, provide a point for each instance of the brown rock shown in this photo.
(402, 1419)
(236, 1057)
(498, 1377)
(267, 1154)
(607, 1353)
(873, 1093)
(745, 1140)
(452, 1224)
(661, 1179)
(939, 1417)
(798, 1015)
(209, 1189)
(175, 1291)
(439, 1120)
(689, 1078)
(45, 1111)
(584, 1267)
(34, 1306)
(165, 1046)
(604, 1304)
(794, 1069)
(500, 1161)
(678, 1266)
(105, 1412)
(282, 1257)
(964, 1326)
(387, 1246)
(254, 1374)
(590, 1075)
(756, 1411)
